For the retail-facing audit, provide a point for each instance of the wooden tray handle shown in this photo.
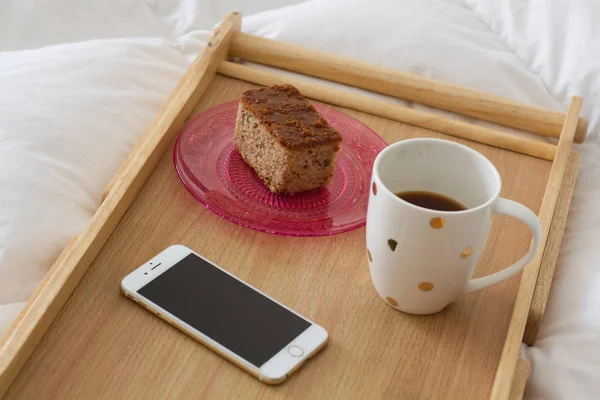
(394, 112)
(406, 86)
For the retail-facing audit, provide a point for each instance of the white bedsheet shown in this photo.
(89, 76)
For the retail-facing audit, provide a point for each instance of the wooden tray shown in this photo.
(78, 337)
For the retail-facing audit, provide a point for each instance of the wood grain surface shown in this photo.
(530, 275)
(102, 345)
(60, 282)
(395, 112)
(407, 86)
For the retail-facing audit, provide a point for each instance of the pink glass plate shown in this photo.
(217, 176)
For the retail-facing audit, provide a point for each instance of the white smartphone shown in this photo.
(230, 317)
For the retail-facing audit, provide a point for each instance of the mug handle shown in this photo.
(525, 215)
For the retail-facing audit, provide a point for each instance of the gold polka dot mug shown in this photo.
(422, 259)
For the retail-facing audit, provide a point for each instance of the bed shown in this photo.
(79, 82)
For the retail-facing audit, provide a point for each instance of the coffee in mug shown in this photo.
(432, 201)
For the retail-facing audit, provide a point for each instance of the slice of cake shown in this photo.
(289, 144)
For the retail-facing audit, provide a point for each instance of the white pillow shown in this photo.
(69, 115)
(30, 24)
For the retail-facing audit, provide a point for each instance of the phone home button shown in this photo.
(295, 351)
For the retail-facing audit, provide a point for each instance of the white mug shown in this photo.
(420, 259)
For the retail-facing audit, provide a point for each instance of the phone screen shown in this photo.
(225, 309)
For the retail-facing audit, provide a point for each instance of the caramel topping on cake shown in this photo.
(288, 116)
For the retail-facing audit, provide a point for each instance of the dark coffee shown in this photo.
(431, 200)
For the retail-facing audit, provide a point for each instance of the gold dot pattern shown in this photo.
(466, 252)
(393, 244)
(426, 286)
(374, 189)
(437, 222)
(369, 255)
(392, 301)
